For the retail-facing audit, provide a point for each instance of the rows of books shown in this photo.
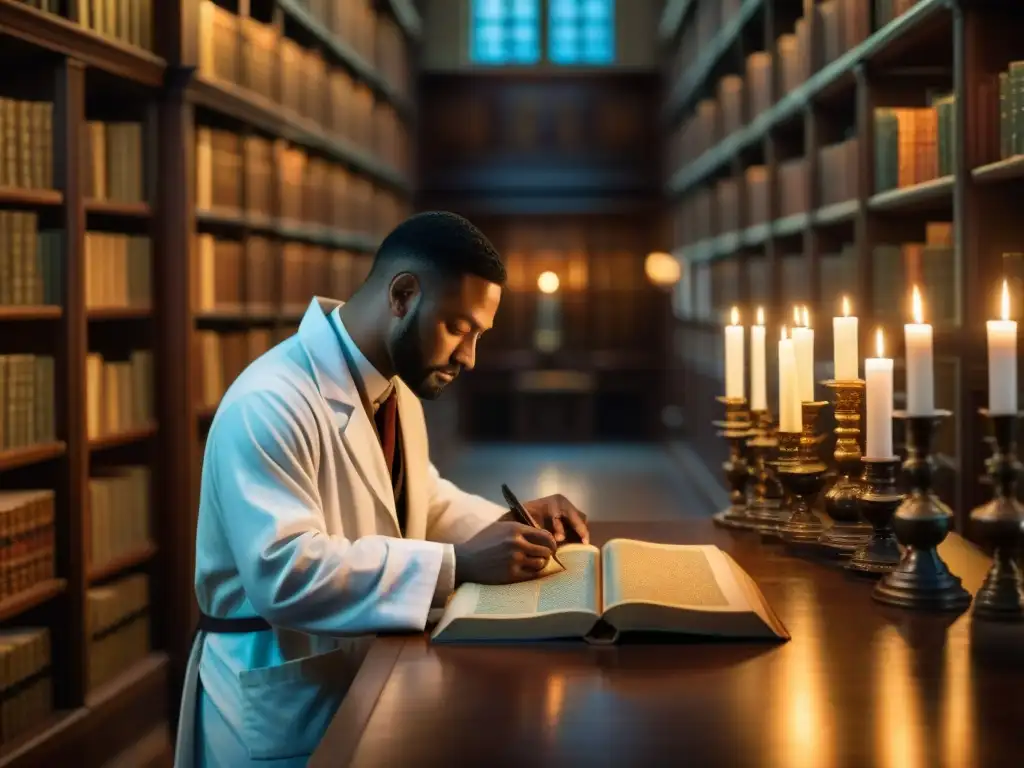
(119, 393)
(117, 617)
(127, 21)
(27, 384)
(928, 263)
(283, 183)
(259, 276)
(26, 144)
(26, 540)
(30, 260)
(255, 56)
(119, 520)
(118, 271)
(26, 685)
(912, 146)
(768, 75)
(112, 161)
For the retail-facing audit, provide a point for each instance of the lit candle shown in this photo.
(844, 341)
(758, 369)
(878, 386)
(790, 418)
(803, 343)
(920, 366)
(734, 357)
(1002, 361)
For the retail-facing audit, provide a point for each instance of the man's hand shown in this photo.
(558, 515)
(502, 553)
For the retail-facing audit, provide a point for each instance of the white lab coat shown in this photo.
(297, 524)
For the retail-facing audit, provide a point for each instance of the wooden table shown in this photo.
(858, 685)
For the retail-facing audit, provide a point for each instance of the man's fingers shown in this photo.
(540, 537)
(531, 550)
(557, 529)
(579, 524)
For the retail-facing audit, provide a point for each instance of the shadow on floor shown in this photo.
(609, 482)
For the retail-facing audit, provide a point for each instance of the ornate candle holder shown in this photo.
(878, 502)
(921, 580)
(1000, 524)
(803, 481)
(736, 429)
(842, 501)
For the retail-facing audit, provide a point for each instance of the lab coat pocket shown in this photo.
(287, 708)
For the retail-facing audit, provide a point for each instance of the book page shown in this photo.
(697, 578)
(573, 590)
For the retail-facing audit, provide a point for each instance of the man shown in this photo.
(321, 518)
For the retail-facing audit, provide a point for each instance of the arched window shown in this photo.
(581, 32)
(504, 32)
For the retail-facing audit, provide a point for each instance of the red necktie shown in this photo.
(386, 420)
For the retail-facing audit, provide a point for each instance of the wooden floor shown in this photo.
(610, 483)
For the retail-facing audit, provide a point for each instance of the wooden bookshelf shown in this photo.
(138, 266)
(928, 202)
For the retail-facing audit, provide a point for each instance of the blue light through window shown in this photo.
(581, 31)
(505, 32)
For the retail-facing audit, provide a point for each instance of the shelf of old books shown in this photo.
(168, 203)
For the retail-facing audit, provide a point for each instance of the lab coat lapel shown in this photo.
(414, 456)
(340, 391)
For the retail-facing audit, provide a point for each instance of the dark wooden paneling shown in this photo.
(562, 174)
(574, 141)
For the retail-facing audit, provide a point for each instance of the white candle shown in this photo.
(758, 369)
(844, 342)
(803, 343)
(878, 386)
(1002, 360)
(734, 357)
(920, 366)
(790, 418)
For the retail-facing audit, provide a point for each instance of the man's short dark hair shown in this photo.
(444, 242)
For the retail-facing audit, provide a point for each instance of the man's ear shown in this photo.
(402, 293)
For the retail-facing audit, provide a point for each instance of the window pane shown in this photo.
(505, 31)
(525, 9)
(581, 31)
(488, 9)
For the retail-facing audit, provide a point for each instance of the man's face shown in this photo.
(434, 338)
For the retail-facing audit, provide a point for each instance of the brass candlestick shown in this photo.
(803, 480)
(1000, 524)
(878, 502)
(737, 430)
(842, 501)
(765, 496)
(922, 579)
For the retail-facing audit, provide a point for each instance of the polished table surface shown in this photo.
(858, 685)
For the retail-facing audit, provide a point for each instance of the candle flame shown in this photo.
(735, 316)
(879, 343)
(806, 319)
(846, 306)
(918, 308)
(796, 315)
(760, 315)
(784, 333)
(1005, 301)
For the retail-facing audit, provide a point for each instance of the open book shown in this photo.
(626, 586)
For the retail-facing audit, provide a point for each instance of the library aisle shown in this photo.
(847, 148)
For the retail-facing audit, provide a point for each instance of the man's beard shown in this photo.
(409, 362)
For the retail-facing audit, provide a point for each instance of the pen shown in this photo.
(524, 517)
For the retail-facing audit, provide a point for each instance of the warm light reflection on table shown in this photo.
(799, 689)
(897, 726)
